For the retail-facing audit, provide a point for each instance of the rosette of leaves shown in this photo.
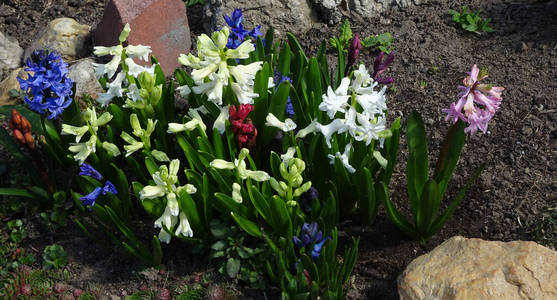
(54, 256)
(237, 260)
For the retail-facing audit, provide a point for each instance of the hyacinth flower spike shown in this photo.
(310, 239)
(477, 103)
(353, 52)
(49, 89)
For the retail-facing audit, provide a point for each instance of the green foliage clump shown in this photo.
(54, 256)
(471, 21)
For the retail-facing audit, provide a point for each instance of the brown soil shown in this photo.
(520, 149)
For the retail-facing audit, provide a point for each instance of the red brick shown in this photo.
(161, 24)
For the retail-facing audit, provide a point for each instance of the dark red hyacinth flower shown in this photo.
(242, 126)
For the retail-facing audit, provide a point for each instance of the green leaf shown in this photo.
(219, 245)
(232, 267)
(157, 252)
(440, 221)
(260, 204)
(449, 155)
(269, 37)
(369, 204)
(17, 193)
(393, 214)
(345, 33)
(428, 206)
(296, 47)
(417, 167)
(283, 225)
(250, 227)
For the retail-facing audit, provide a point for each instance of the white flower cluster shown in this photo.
(166, 179)
(212, 73)
(354, 108)
(132, 69)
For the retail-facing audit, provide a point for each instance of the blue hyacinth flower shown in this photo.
(49, 89)
(91, 198)
(237, 32)
(109, 188)
(310, 239)
(87, 170)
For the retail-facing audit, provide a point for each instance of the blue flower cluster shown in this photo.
(49, 88)
(89, 199)
(238, 33)
(278, 79)
(310, 238)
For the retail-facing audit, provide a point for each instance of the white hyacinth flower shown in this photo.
(168, 220)
(83, 150)
(331, 128)
(240, 165)
(237, 192)
(139, 51)
(166, 179)
(184, 227)
(336, 101)
(286, 126)
(220, 122)
(286, 157)
(184, 90)
(244, 93)
(135, 69)
(114, 90)
(212, 73)
(344, 158)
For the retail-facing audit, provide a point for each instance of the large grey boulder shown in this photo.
(65, 35)
(283, 15)
(331, 11)
(462, 268)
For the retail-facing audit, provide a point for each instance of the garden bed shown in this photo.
(507, 203)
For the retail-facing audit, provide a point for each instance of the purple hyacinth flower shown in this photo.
(87, 170)
(379, 66)
(89, 199)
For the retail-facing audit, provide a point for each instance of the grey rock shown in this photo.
(10, 53)
(330, 10)
(82, 73)
(283, 15)
(6, 10)
(64, 35)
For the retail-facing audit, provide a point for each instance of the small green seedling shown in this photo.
(54, 256)
(382, 41)
(471, 21)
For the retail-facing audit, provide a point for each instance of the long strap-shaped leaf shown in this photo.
(393, 214)
(440, 221)
(418, 164)
(449, 155)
